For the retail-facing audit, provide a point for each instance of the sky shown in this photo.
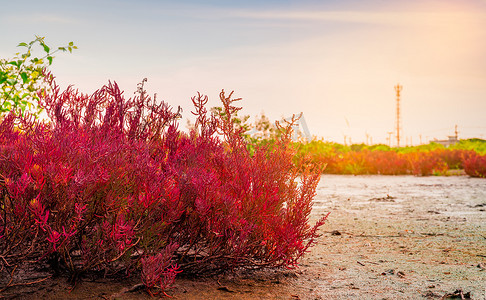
(337, 61)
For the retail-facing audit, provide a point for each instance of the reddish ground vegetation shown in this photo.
(419, 163)
(475, 165)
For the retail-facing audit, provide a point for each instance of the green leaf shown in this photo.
(7, 106)
(49, 58)
(38, 61)
(23, 45)
(25, 77)
(46, 48)
(71, 44)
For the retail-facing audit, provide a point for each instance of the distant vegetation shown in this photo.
(423, 160)
(466, 156)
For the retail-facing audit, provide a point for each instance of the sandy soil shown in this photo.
(399, 237)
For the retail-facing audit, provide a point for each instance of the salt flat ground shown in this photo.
(401, 237)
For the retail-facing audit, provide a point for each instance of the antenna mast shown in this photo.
(398, 89)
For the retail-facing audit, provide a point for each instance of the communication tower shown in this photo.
(398, 89)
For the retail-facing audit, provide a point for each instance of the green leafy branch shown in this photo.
(22, 77)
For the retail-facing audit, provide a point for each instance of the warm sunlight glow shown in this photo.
(332, 60)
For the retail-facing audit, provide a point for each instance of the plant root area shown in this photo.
(387, 237)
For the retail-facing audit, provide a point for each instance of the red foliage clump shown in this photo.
(392, 162)
(387, 163)
(475, 165)
(426, 163)
(111, 184)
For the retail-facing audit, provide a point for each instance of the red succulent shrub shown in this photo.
(387, 163)
(426, 163)
(475, 165)
(111, 184)
(452, 157)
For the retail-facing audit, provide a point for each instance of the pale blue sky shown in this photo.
(337, 61)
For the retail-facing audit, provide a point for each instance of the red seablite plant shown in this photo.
(426, 163)
(111, 184)
(158, 270)
(390, 162)
(475, 165)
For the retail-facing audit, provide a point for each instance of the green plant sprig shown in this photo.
(21, 77)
